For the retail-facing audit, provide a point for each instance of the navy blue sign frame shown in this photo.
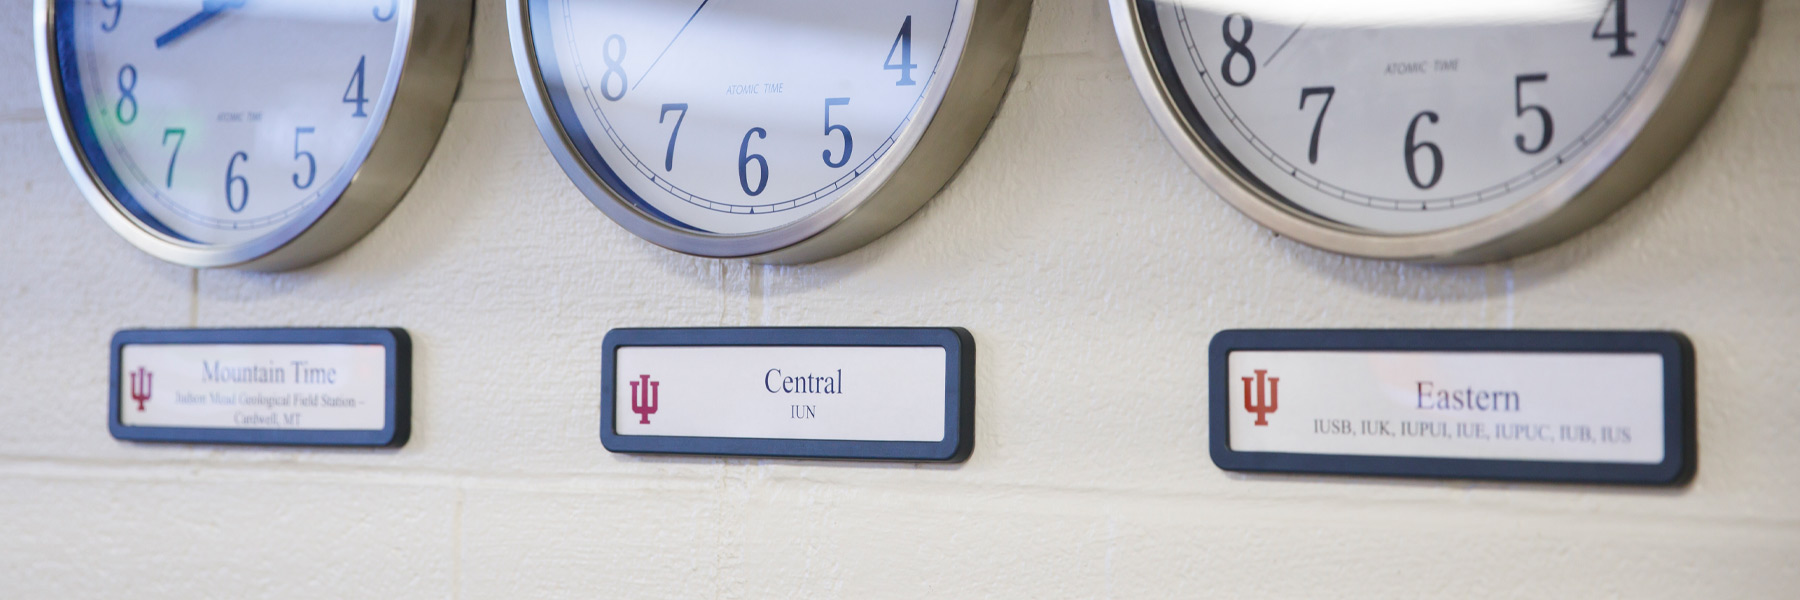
(1680, 449)
(959, 392)
(399, 386)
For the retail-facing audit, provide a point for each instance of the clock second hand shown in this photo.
(665, 49)
(208, 10)
(1284, 44)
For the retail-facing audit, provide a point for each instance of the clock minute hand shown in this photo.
(208, 10)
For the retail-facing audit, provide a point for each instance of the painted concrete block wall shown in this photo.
(1090, 264)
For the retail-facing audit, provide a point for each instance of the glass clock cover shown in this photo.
(735, 129)
(1408, 117)
(1374, 126)
(233, 124)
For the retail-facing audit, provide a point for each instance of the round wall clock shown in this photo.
(1435, 131)
(784, 131)
(262, 134)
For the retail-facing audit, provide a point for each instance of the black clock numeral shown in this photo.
(353, 93)
(669, 158)
(180, 135)
(118, 7)
(845, 156)
(1521, 107)
(126, 91)
(1412, 151)
(312, 163)
(613, 68)
(1312, 150)
(243, 184)
(1238, 48)
(902, 44)
(1619, 34)
(393, 9)
(744, 158)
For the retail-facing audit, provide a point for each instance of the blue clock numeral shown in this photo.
(356, 87)
(180, 135)
(903, 44)
(1620, 36)
(845, 157)
(117, 6)
(669, 158)
(612, 68)
(1412, 151)
(1312, 150)
(312, 164)
(244, 184)
(393, 9)
(1238, 48)
(126, 88)
(744, 158)
(1521, 107)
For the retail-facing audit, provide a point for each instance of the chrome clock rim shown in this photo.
(1675, 102)
(432, 42)
(898, 185)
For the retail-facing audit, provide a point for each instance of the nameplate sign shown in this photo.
(846, 393)
(1580, 406)
(325, 387)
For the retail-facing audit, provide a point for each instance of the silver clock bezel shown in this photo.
(895, 188)
(1683, 89)
(435, 36)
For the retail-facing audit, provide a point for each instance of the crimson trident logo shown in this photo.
(140, 387)
(1263, 406)
(644, 394)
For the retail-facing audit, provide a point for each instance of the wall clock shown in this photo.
(784, 131)
(1440, 132)
(261, 134)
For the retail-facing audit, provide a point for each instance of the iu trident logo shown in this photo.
(1262, 407)
(140, 387)
(644, 393)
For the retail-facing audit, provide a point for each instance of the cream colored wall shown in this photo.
(1090, 264)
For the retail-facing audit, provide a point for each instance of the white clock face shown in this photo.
(217, 122)
(731, 117)
(1402, 118)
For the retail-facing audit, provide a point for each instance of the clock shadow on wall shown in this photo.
(1385, 135)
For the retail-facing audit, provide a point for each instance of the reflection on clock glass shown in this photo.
(735, 117)
(1408, 117)
(220, 121)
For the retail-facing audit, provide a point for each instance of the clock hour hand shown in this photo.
(208, 10)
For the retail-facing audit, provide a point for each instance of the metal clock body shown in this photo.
(784, 131)
(1435, 132)
(260, 134)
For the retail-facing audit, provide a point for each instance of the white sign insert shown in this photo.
(1533, 406)
(859, 393)
(319, 387)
